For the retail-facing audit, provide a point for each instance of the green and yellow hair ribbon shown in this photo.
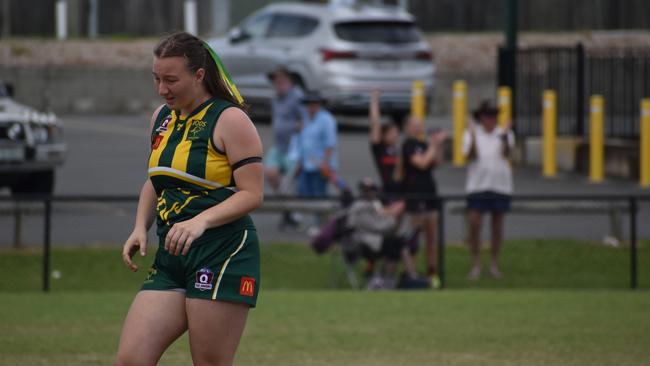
(223, 73)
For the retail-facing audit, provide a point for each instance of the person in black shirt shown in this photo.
(420, 156)
(384, 149)
(385, 153)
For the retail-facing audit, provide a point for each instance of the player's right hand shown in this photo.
(136, 241)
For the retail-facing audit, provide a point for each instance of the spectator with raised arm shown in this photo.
(384, 149)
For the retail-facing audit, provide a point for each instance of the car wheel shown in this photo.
(35, 183)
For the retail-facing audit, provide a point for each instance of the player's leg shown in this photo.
(409, 262)
(273, 177)
(474, 218)
(154, 321)
(215, 329)
(222, 286)
(430, 230)
(497, 233)
(272, 168)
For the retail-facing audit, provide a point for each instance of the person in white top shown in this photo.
(489, 182)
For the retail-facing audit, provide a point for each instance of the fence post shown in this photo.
(460, 116)
(644, 159)
(93, 19)
(504, 103)
(633, 243)
(549, 120)
(441, 243)
(18, 226)
(580, 90)
(596, 138)
(61, 11)
(418, 103)
(190, 17)
(47, 215)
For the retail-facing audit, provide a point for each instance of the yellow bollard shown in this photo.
(504, 103)
(644, 159)
(418, 102)
(549, 133)
(596, 138)
(460, 116)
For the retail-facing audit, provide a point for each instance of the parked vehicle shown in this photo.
(344, 52)
(31, 146)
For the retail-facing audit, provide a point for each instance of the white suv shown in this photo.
(343, 52)
(31, 146)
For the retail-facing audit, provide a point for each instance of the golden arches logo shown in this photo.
(247, 286)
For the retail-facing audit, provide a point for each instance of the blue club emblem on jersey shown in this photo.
(204, 279)
(163, 125)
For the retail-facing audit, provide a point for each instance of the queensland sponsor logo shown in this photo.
(204, 279)
(247, 286)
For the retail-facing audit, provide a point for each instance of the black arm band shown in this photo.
(242, 162)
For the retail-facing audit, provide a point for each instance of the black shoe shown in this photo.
(407, 282)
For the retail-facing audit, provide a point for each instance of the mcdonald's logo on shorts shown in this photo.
(247, 286)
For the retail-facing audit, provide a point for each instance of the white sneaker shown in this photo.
(375, 283)
(313, 231)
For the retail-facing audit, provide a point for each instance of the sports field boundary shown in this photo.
(330, 204)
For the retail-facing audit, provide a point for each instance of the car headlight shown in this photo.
(41, 134)
(15, 131)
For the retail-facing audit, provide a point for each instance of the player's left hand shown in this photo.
(182, 234)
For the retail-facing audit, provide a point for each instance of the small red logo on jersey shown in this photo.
(156, 142)
(247, 286)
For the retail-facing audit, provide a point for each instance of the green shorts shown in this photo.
(226, 270)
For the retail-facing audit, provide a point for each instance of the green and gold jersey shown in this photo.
(189, 173)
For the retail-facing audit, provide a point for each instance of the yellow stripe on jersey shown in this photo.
(182, 152)
(217, 167)
(155, 154)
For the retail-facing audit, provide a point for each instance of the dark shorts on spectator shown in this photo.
(488, 201)
(417, 206)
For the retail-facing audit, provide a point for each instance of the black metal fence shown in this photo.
(631, 203)
(544, 15)
(621, 76)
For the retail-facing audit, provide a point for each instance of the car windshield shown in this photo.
(377, 31)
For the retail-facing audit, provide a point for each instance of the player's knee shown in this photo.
(211, 358)
(133, 358)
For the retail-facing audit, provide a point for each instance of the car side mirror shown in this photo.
(237, 35)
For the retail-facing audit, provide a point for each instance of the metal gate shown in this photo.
(621, 76)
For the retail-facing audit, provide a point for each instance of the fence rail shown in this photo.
(330, 204)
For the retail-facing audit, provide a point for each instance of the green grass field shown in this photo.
(561, 303)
